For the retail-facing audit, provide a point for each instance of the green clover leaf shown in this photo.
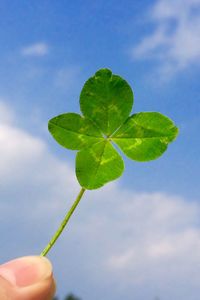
(106, 102)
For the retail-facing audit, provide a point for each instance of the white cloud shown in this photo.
(37, 49)
(123, 243)
(175, 41)
(142, 240)
(29, 170)
(18, 150)
(164, 233)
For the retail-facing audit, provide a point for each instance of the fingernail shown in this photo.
(26, 271)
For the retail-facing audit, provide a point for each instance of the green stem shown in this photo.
(63, 224)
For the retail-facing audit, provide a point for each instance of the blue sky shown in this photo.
(139, 236)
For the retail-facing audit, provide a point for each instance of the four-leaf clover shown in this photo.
(106, 102)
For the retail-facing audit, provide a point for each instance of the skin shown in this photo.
(27, 278)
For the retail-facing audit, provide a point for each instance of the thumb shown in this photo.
(27, 278)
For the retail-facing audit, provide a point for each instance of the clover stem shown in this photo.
(63, 224)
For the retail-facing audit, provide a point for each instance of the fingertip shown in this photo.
(25, 271)
(27, 278)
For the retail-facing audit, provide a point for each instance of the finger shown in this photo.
(27, 278)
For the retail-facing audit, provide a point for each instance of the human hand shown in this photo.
(27, 278)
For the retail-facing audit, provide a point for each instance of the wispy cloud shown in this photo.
(37, 49)
(175, 41)
(65, 78)
(7, 116)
